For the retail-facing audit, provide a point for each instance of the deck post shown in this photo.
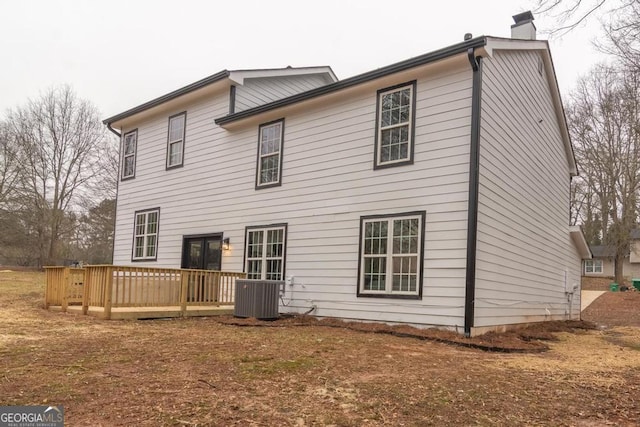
(64, 286)
(184, 285)
(46, 289)
(108, 289)
(216, 287)
(86, 287)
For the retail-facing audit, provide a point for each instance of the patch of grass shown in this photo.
(272, 366)
(203, 372)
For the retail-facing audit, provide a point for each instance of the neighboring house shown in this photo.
(603, 262)
(434, 191)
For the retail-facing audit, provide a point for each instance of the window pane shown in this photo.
(404, 273)
(139, 252)
(274, 243)
(255, 244)
(374, 273)
(269, 169)
(176, 128)
(270, 139)
(128, 165)
(130, 144)
(405, 97)
(254, 269)
(175, 153)
(274, 269)
(152, 222)
(375, 238)
(151, 246)
(140, 224)
(394, 143)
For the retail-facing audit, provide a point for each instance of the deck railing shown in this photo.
(64, 286)
(110, 286)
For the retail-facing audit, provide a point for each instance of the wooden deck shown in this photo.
(132, 313)
(117, 292)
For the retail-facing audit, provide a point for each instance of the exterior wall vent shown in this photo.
(257, 298)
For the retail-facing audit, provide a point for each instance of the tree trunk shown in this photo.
(619, 261)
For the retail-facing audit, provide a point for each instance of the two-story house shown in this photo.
(433, 191)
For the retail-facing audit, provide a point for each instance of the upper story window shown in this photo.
(265, 252)
(145, 235)
(129, 144)
(175, 143)
(391, 255)
(269, 169)
(395, 125)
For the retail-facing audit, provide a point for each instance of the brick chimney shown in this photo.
(523, 29)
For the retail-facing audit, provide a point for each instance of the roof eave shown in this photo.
(356, 80)
(580, 242)
(168, 97)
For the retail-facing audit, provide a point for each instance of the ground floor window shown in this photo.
(145, 235)
(265, 251)
(593, 266)
(391, 253)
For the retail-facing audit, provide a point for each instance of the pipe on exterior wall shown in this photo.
(474, 176)
(113, 249)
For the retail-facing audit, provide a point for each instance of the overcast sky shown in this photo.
(121, 53)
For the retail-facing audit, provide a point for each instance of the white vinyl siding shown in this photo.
(270, 154)
(593, 266)
(328, 185)
(258, 91)
(145, 237)
(129, 142)
(390, 262)
(175, 143)
(265, 253)
(394, 133)
(524, 247)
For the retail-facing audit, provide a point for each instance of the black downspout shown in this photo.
(474, 175)
(113, 130)
(119, 135)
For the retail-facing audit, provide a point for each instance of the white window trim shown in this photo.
(125, 155)
(593, 263)
(389, 292)
(176, 141)
(409, 123)
(145, 235)
(263, 258)
(259, 183)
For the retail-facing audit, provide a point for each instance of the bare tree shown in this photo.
(61, 145)
(569, 14)
(622, 31)
(620, 20)
(8, 166)
(605, 124)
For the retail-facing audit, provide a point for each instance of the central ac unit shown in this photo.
(257, 298)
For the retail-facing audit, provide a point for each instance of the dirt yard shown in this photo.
(299, 372)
